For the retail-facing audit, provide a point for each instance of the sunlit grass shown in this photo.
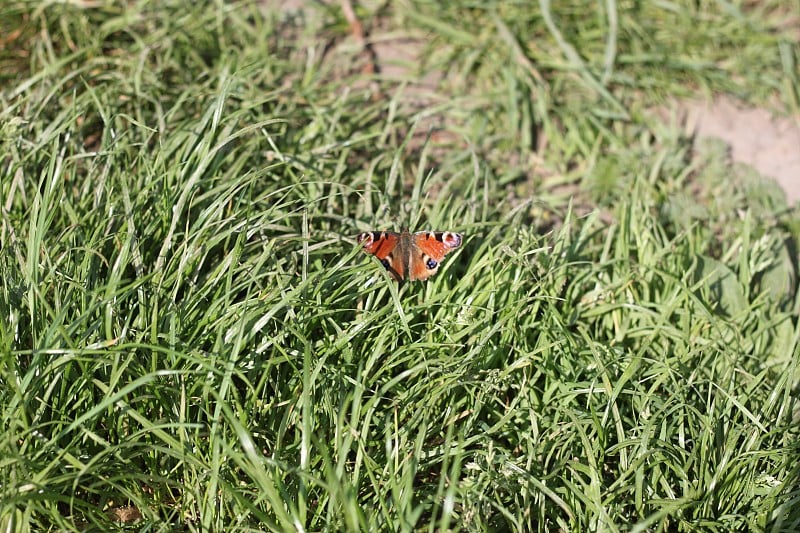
(190, 334)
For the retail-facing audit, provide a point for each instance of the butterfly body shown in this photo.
(413, 256)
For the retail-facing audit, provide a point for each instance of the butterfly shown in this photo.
(410, 255)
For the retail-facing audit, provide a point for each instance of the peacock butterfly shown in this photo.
(414, 256)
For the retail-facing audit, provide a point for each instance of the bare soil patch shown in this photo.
(768, 143)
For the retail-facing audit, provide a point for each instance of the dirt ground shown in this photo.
(768, 143)
(756, 137)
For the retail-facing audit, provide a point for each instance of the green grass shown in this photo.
(189, 330)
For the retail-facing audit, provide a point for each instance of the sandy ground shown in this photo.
(756, 137)
(768, 143)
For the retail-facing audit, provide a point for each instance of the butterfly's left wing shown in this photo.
(385, 246)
